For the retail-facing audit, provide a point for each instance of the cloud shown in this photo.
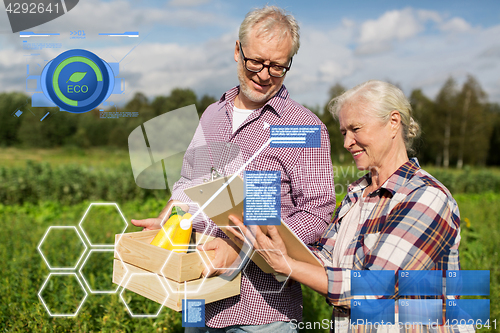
(10, 80)
(324, 57)
(373, 48)
(429, 15)
(430, 48)
(392, 25)
(379, 35)
(348, 23)
(153, 68)
(188, 3)
(156, 68)
(456, 24)
(122, 15)
(491, 52)
(397, 26)
(13, 67)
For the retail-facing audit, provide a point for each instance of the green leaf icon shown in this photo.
(77, 76)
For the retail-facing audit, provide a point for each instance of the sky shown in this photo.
(190, 44)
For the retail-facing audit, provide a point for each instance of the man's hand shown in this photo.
(148, 224)
(156, 222)
(226, 254)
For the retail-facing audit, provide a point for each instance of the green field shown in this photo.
(25, 221)
(96, 157)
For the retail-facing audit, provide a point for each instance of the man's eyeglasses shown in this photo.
(256, 66)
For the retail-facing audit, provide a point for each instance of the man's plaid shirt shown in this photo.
(307, 195)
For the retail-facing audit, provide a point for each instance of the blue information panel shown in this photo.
(467, 311)
(421, 311)
(372, 311)
(372, 283)
(295, 136)
(420, 283)
(474, 283)
(193, 313)
(262, 203)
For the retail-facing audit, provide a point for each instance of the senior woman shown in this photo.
(396, 217)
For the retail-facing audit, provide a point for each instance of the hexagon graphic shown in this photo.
(245, 250)
(124, 266)
(55, 279)
(58, 238)
(278, 276)
(93, 263)
(101, 222)
(143, 276)
(172, 289)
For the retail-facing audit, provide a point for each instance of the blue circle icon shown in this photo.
(77, 81)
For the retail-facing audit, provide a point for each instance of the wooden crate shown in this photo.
(139, 256)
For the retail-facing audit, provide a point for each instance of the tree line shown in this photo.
(459, 127)
(84, 130)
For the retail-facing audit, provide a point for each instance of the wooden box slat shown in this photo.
(139, 256)
(135, 248)
(213, 289)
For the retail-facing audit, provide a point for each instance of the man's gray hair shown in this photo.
(272, 21)
(380, 99)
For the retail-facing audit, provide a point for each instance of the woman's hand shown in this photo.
(270, 247)
(273, 250)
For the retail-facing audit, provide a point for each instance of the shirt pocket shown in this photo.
(369, 241)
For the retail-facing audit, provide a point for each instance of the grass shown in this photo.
(93, 157)
(24, 271)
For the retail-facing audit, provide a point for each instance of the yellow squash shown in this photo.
(167, 232)
(181, 236)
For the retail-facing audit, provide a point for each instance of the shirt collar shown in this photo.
(275, 104)
(401, 176)
(394, 182)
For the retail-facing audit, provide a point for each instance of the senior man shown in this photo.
(241, 120)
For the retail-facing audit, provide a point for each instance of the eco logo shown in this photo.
(77, 81)
(28, 14)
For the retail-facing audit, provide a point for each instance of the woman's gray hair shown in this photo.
(380, 99)
(272, 21)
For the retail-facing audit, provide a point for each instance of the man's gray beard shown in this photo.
(245, 90)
